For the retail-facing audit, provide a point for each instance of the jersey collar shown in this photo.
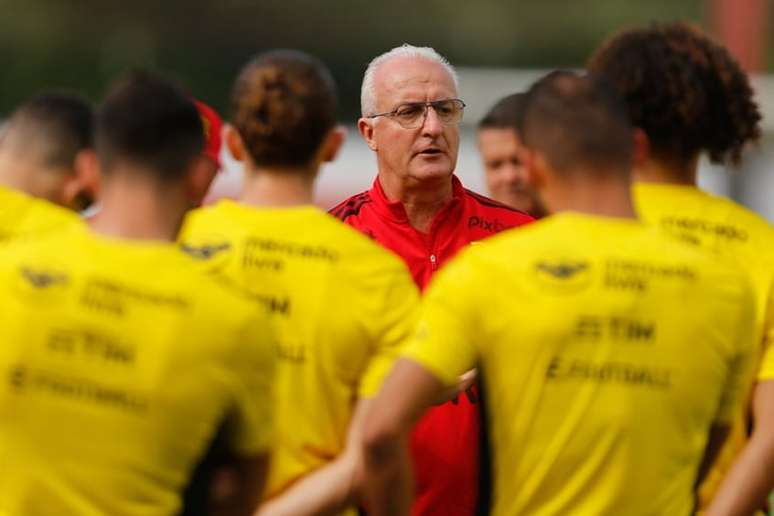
(395, 211)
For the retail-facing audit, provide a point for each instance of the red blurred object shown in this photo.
(213, 128)
(741, 27)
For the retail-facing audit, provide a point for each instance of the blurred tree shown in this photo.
(83, 44)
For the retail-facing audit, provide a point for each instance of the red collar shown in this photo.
(394, 209)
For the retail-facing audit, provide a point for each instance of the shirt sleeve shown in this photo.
(396, 321)
(766, 370)
(444, 341)
(250, 423)
(742, 367)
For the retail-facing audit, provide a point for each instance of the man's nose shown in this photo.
(513, 173)
(432, 124)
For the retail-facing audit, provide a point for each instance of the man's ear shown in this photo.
(234, 142)
(366, 128)
(530, 162)
(81, 188)
(332, 143)
(537, 171)
(641, 147)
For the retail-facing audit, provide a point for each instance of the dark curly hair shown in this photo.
(284, 103)
(684, 90)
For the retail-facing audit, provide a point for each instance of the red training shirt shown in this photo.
(445, 442)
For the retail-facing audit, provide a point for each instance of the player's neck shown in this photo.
(604, 198)
(15, 174)
(278, 188)
(134, 208)
(659, 171)
(422, 200)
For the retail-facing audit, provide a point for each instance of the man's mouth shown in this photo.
(430, 152)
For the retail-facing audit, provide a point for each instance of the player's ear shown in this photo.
(234, 142)
(366, 128)
(332, 143)
(531, 162)
(83, 185)
(641, 147)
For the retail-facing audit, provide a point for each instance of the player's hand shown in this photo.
(464, 385)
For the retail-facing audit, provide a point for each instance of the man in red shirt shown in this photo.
(420, 210)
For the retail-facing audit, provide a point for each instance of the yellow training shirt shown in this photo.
(745, 241)
(729, 231)
(347, 305)
(120, 361)
(24, 216)
(607, 351)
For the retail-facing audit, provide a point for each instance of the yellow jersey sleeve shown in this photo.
(447, 329)
(394, 322)
(250, 423)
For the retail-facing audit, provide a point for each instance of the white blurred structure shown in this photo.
(355, 168)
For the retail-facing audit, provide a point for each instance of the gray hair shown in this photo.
(367, 91)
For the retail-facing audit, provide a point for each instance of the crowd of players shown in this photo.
(608, 353)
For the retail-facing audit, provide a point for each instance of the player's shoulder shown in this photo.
(31, 217)
(205, 217)
(210, 232)
(352, 207)
(706, 269)
(739, 214)
(217, 300)
(489, 207)
(61, 242)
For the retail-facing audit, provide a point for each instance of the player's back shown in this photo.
(22, 216)
(120, 362)
(346, 305)
(717, 224)
(745, 241)
(603, 387)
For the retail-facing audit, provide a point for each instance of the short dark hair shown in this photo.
(507, 113)
(578, 121)
(284, 103)
(149, 121)
(684, 90)
(61, 122)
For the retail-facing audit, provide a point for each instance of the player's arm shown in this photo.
(751, 479)
(249, 428)
(329, 489)
(441, 350)
(387, 301)
(408, 391)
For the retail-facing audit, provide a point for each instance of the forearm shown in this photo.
(749, 482)
(328, 490)
(388, 488)
(751, 479)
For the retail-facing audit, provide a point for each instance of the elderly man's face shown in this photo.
(427, 152)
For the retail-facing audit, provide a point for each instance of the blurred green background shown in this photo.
(81, 45)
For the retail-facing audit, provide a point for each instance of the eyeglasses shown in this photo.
(412, 115)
